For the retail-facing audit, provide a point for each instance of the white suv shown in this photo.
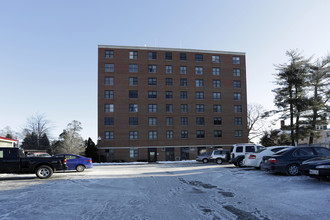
(238, 152)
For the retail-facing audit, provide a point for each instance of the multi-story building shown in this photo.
(169, 104)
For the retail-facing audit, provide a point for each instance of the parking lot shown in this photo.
(164, 191)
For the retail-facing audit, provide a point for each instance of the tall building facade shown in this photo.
(169, 104)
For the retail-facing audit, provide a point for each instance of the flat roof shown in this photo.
(169, 49)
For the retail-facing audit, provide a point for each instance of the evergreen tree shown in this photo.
(30, 141)
(91, 150)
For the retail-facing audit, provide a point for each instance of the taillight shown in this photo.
(64, 161)
(88, 160)
(252, 156)
(272, 160)
(232, 155)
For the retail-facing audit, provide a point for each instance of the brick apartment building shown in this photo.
(168, 103)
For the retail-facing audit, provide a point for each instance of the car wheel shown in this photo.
(292, 170)
(219, 161)
(80, 168)
(205, 160)
(240, 163)
(44, 172)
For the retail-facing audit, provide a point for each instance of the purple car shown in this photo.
(76, 162)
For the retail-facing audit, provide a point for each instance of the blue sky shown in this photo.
(48, 49)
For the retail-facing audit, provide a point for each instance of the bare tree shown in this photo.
(255, 121)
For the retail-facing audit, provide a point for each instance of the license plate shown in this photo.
(314, 172)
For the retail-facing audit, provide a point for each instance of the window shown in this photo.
(184, 134)
(199, 83)
(109, 54)
(237, 72)
(168, 56)
(199, 108)
(217, 108)
(109, 67)
(133, 107)
(217, 121)
(169, 134)
(249, 149)
(184, 108)
(133, 55)
(152, 107)
(169, 107)
(183, 70)
(183, 82)
(169, 121)
(216, 83)
(133, 94)
(152, 94)
(133, 121)
(133, 135)
(238, 121)
(153, 135)
(183, 56)
(239, 149)
(183, 95)
(133, 68)
(237, 96)
(133, 153)
(236, 60)
(237, 84)
(109, 135)
(198, 57)
(216, 71)
(238, 133)
(152, 121)
(217, 95)
(184, 121)
(109, 81)
(169, 95)
(199, 70)
(152, 55)
(200, 134)
(168, 69)
(217, 133)
(237, 108)
(133, 81)
(215, 59)
(152, 68)
(169, 82)
(152, 81)
(108, 121)
(108, 94)
(199, 95)
(108, 107)
(200, 121)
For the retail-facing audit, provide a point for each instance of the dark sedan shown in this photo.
(317, 167)
(76, 162)
(290, 160)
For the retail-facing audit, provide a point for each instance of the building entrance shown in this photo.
(152, 154)
(170, 154)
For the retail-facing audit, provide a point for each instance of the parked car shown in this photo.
(218, 156)
(76, 162)
(238, 152)
(37, 154)
(290, 160)
(205, 157)
(255, 159)
(317, 167)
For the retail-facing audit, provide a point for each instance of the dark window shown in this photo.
(152, 107)
(200, 134)
(216, 71)
(183, 95)
(199, 108)
(169, 134)
(152, 121)
(303, 152)
(108, 94)
(169, 82)
(152, 94)
(169, 121)
(108, 121)
(237, 84)
(237, 96)
(109, 67)
(199, 95)
(236, 72)
(108, 107)
(152, 55)
(216, 108)
(168, 55)
(152, 68)
(199, 83)
(200, 121)
(152, 81)
(184, 121)
(217, 121)
(239, 149)
(216, 83)
(109, 135)
(133, 68)
(217, 133)
(169, 107)
(184, 134)
(183, 56)
(133, 107)
(215, 59)
(322, 151)
(109, 54)
(133, 135)
(238, 133)
(184, 108)
(108, 81)
(238, 121)
(153, 135)
(133, 121)
(133, 55)
(133, 94)
(133, 81)
(199, 70)
(183, 82)
(168, 69)
(237, 108)
(249, 149)
(236, 60)
(183, 69)
(217, 95)
(169, 95)
(198, 57)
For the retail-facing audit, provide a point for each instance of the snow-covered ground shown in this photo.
(164, 191)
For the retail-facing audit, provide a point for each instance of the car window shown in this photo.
(249, 149)
(239, 149)
(260, 150)
(277, 149)
(281, 152)
(322, 151)
(303, 152)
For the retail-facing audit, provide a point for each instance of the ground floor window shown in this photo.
(133, 153)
